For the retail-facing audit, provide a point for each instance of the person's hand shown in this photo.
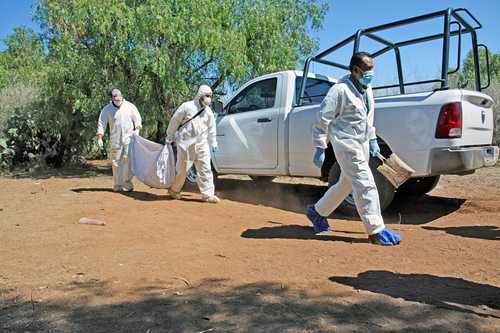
(100, 143)
(168, 141)
(319, 157)
(215, 149)
(374, 148)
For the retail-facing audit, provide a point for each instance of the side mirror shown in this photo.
(218, 107)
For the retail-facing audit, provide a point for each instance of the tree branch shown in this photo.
(218, 82)
(206, 63)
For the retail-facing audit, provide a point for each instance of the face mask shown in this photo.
(207, 100)
(367, 78)
(117, 104)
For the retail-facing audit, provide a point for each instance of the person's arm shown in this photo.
(102, 123)
(212, 129)
(372, 135)
(329, 109)
(136, 118)
(174, 123)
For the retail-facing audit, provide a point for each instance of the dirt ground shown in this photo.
(248, 264)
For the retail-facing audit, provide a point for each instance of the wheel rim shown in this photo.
(191, 176)
(350, 199)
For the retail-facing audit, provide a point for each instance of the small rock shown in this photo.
(88, 221)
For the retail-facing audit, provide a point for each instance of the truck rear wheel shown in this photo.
(385, 189)
(418, 186)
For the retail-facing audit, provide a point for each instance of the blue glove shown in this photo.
(386, 237)
(319, 157)
(215, 149)
(374, 148)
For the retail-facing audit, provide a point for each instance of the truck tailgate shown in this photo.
(477, 119)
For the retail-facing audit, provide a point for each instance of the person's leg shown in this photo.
(182, 166)
(354, 164)
(204, 178)
(127, 174)
(115, 167)
(334, 196)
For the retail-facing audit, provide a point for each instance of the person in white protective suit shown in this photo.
(124, 120)
(346, 120)
(192, 128)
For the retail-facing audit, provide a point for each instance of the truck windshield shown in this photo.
(315, 91)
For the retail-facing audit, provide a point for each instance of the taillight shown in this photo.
(449, 124)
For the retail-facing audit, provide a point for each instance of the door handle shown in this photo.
(263, 120)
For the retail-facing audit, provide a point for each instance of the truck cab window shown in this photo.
(260, 95)
(315, 92)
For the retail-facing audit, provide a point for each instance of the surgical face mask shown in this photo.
(207, 100)
(117, 103)
(367, 77)
(117, 100)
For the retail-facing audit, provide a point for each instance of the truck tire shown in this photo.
(192, 175)
(385, 189)
(418, 186)
(262, 179)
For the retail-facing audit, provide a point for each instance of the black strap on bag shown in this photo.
(187, 121)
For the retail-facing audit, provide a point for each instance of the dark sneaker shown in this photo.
(320, 223)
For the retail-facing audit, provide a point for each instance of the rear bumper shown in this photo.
(462, 160)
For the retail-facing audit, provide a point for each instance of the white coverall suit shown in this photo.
(193, 144)
(122, 123)
(347, 121)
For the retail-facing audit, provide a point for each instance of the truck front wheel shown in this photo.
(384, 187)
(262, 179)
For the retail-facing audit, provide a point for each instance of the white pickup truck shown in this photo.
(265, 129)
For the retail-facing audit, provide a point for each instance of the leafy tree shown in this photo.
(466, 79)
(157, 52)
(23, 59)
(467, 73)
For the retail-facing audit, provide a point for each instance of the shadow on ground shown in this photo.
(298, 232)
(138, 195)
(286, 196)
(487, 232)
(421, 210)
(448, 292)
(212, 306)
(294, 197)
(82, 171)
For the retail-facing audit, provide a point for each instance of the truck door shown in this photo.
(247, 133)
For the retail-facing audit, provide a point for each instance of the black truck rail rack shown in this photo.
(451, 18)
